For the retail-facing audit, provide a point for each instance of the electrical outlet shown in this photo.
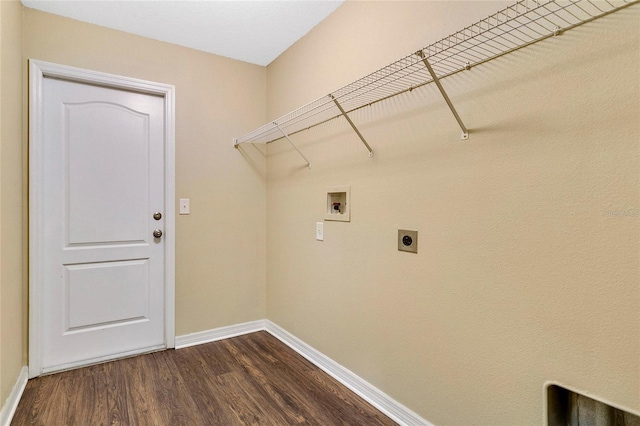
(408, 240)
(320, 231)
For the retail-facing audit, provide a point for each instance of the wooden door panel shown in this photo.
(107, 173)
(91, 287)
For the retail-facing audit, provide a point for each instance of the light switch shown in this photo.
(320, 231)
(184, 206)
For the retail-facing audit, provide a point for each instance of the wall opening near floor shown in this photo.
(568, 408)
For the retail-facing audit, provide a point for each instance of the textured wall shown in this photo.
(529, 238)
(12, 333)
(220, 246)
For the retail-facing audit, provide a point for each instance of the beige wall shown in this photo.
(522, 275)
(12, 331)
(220, 246)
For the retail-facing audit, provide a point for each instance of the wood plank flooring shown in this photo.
(249, 380)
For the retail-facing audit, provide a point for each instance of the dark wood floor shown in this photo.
(253, 379)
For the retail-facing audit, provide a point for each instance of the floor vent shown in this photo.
(568, 408)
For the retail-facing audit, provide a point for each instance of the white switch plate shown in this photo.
(184, 206)
(320, 231)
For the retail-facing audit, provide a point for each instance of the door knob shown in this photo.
(157, 233)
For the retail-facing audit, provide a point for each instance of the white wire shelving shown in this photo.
(519, 25)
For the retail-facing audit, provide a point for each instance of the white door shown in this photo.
(103, 178)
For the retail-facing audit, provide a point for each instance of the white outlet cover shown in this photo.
(408, 240)
(320, 231)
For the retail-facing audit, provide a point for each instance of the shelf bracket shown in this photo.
(353, 126)
(436, 80)
(292, 144)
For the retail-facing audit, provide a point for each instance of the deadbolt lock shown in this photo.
(157, 215)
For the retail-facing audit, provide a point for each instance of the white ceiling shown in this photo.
(255, 31)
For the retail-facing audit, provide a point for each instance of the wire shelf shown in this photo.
(517, 26)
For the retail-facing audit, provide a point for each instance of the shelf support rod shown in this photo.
(292, 144)
(436, 80)
(353, 126)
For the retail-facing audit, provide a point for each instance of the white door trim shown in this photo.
(38, 70)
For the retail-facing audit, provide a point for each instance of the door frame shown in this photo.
(38, 70)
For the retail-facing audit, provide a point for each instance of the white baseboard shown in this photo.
(374, 396)
(10, 405)
(218, 334)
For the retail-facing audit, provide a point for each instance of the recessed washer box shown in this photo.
(338, 203)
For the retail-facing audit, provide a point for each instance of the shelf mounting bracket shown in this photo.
(353, 126)
(436, 80)
(292, 144)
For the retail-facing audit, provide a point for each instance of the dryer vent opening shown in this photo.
(568, 408)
